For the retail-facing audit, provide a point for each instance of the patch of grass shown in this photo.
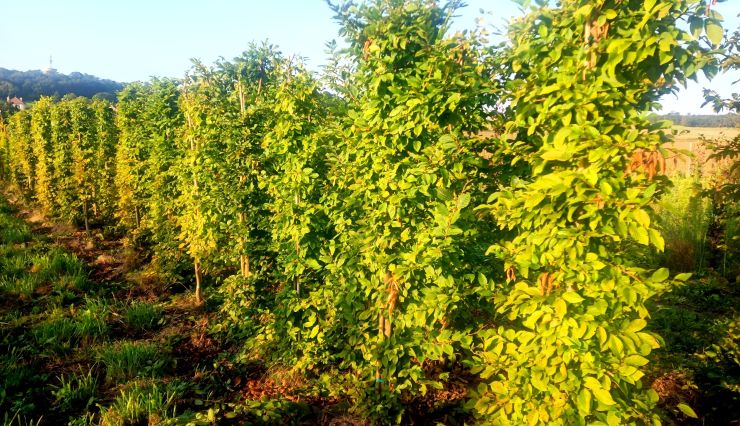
(15, 235)
(62, 269)
(56, 262)
(15, 263)
(92, 322)
(13, 374)
(57, 334)
(76, 391)
(61, 333)
(25, 285)
(77, 282)
(141, 403)
(22, 271)
(127, 360)
(13, 230)
(87, 419)
(142, 316)
(684, 217)
(19, 420)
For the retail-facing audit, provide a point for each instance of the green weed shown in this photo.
(58, 335)
(78, 282)
(76, 391)
(131, 359)
(56, 262)
(15, 234)
(92, 322)
(87, 419)
(18, 420)
(15, 264)
(142, 316)
(25, 285)
(139, 403)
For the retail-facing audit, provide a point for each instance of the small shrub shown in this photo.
(76, 391)
(131, 359)
(140, 403)
(142, 316)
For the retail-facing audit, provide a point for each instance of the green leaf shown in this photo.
(583, 402)
(657, 239)
(683, 277)
(591, 383)
(636, 360)
(313, 264)
(572, 297)
(714, 31)
(560, 308)
(695, 25)
(636, 325)
(314, 332)
(641, 217)
(603, 396)
(688, 411)
(660, 275)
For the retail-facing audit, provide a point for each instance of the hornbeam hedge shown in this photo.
(574, 339)
(431, 203)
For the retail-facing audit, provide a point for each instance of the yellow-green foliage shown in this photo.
(104, 164)
(573, 345)
(22, 160)
(147, 164)
(4, 150)
(61, 133)
(377, 228)
(43, 152)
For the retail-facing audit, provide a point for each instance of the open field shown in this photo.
(691, 140)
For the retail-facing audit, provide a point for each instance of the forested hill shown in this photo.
(31, 85)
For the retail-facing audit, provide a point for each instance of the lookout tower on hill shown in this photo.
(51, 70)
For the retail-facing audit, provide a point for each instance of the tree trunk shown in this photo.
(243, 258)
(84, 212)
(198, 292)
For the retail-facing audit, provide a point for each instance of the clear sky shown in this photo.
(135, 39)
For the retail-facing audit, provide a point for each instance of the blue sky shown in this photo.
(135, 39)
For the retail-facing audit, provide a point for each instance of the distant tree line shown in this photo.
(32, 85)
(724, 120)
